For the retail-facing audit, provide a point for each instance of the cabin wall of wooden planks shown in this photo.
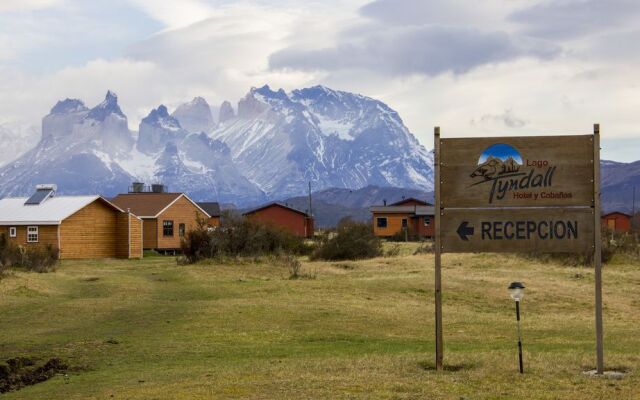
(90, 233)
(150, 233)
(136, 250)
(47, 235)
(181, 212)
(394, 224)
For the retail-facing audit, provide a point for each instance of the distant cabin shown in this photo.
(288, 218)
(166, 217)
(617, 222)
(81, 227)
(213, 209)
(413, 216)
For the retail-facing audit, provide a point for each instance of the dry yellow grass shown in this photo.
(359, 330)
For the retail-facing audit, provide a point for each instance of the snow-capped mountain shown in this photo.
(269, 148)
(335, 139)
(195, 116)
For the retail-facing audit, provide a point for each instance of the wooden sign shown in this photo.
(518, 194)
(517, 171)
(540, 230)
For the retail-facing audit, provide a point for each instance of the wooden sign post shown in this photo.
(517, 194)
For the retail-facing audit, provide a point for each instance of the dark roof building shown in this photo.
(211, 208)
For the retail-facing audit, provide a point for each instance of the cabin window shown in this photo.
(32, 234)
(404, 223)
(13, 232)
(181, 230)
(382, 222)
(167, 228)
(427, 221)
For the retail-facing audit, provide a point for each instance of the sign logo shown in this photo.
(498, 159)
(502, 168)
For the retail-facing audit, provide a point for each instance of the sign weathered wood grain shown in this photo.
(540, 230)
(517, 171)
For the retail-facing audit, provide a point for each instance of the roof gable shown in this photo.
(275, 204)
(412, 201)
(618, 213)
(150, 205)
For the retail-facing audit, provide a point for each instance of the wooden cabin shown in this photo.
(291, 219)
(617, 222)
(213, 209)
(166, 217)
(81, 227)
(409, 216)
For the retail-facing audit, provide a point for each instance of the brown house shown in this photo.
(411, 216)
(166, 217)
(617, 222)
(213, 209)
(81, 227)
(293, 220)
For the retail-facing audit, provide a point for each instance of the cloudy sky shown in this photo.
(495, 67)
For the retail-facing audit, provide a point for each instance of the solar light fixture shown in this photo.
(516, 290)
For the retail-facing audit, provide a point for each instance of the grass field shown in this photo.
(358, 330)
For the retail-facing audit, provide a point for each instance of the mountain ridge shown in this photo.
(271, 147)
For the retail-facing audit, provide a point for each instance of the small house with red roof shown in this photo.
(617, 222)
(286, 217)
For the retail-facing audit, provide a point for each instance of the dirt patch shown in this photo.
(22, 371)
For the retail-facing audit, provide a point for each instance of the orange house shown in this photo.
(166, 217)
(617, 222)
(293, 220)
(413, 216)
(80, 227)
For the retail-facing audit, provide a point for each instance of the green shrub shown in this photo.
(239, 237)
(351, 241)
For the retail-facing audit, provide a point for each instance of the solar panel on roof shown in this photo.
(38, 197)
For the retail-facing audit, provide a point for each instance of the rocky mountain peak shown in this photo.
(109, 106)
(226, 112)
(195, 116)
(67, 106)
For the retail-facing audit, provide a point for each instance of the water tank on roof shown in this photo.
(157, 188)
(137, 187)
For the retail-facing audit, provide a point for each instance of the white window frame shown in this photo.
(33, 230)
(427, 221)
(13, 231)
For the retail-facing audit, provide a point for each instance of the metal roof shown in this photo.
(52, 211)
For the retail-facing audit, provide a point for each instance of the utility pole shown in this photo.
(310, 210)
(633, 208)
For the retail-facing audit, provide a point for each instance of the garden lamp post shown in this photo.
(516, 290)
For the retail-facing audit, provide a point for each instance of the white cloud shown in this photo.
(27, 5)
(175, 15)
(472, 68)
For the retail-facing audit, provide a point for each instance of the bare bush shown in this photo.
(239, 237)
(37, 258)
(352, 241)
